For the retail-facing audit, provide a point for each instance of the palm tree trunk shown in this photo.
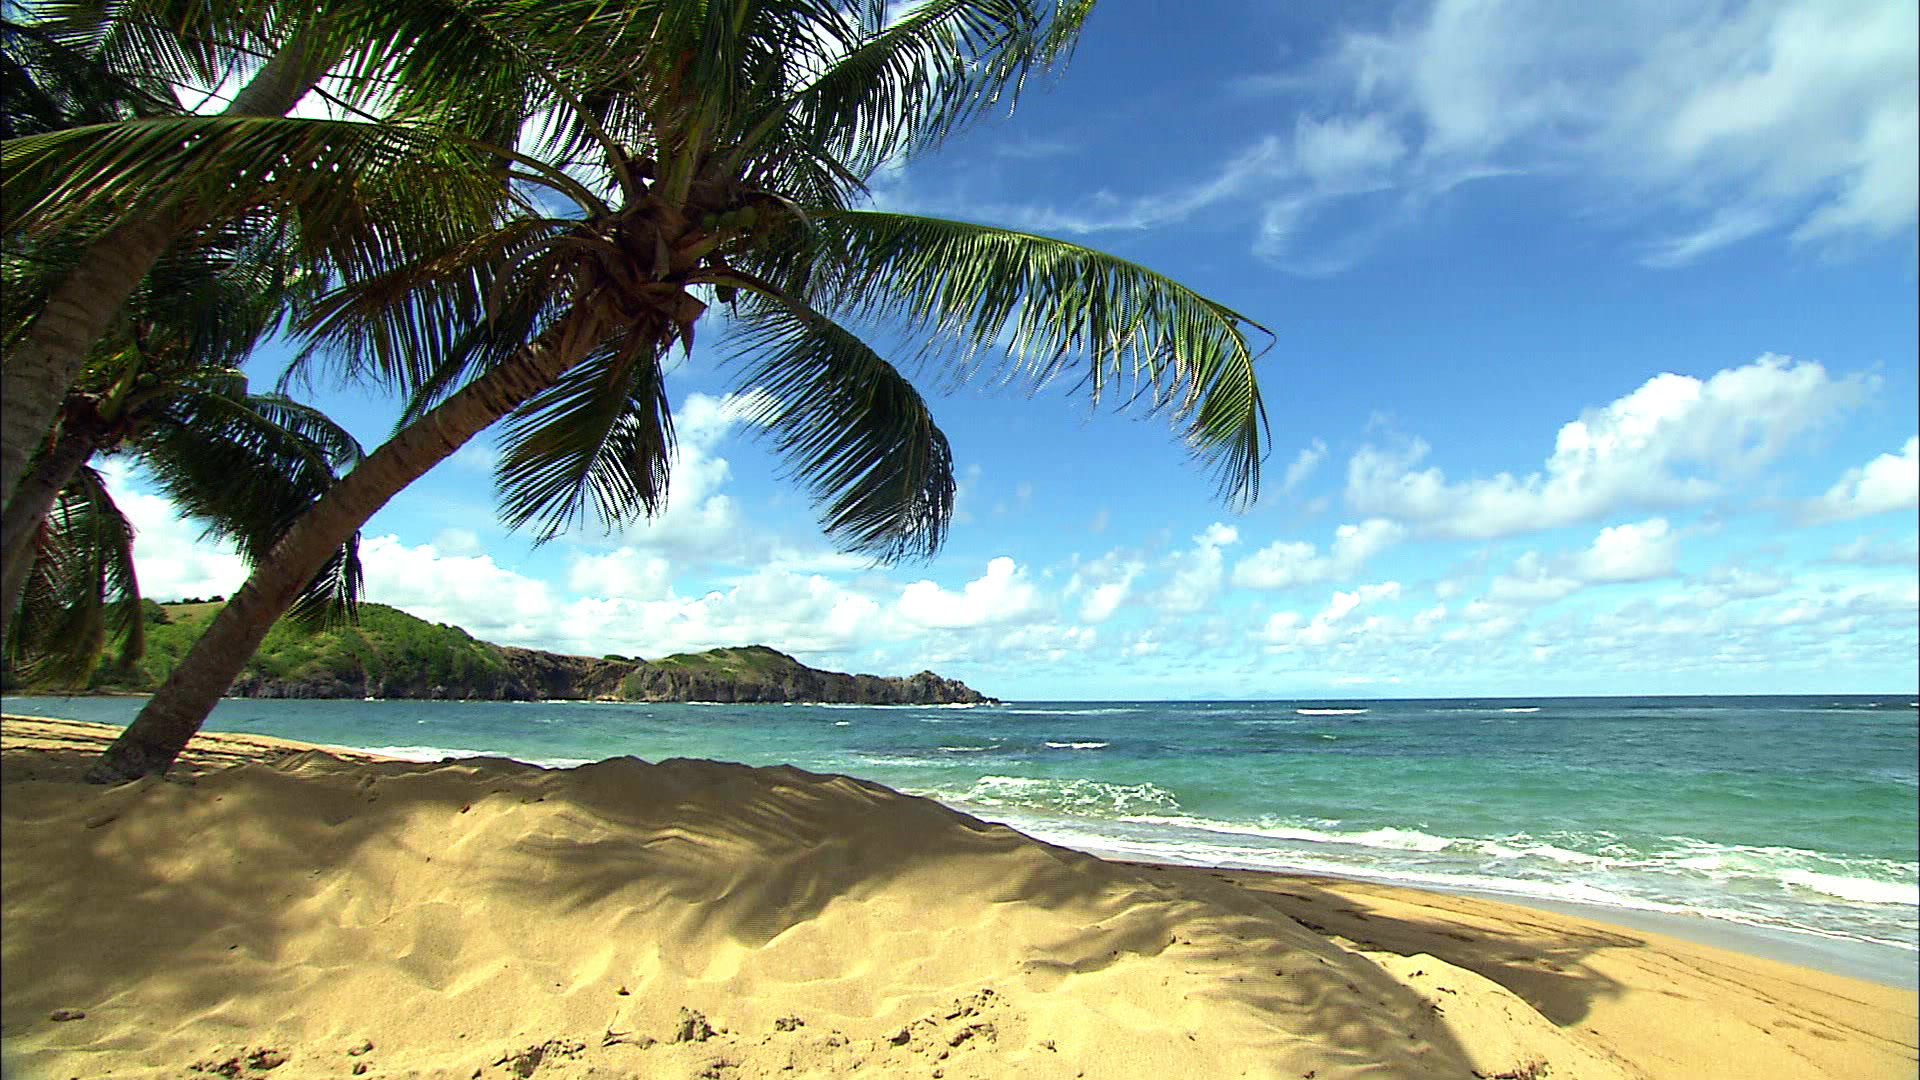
(42, 368)
(31, 501)
(175, 713)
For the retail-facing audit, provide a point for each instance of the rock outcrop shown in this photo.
(759, 674)
(752, 674)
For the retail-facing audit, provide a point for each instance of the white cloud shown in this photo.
(1293, 562)
(171, 560)
(1888, 482)
(1302, 466)
(1663, 444)
(998, 596)
(1103, 584)
(700, 520)
(1345, 155)
(624, 573)
(1795, 114)
(1695, 123)
(1873, 551)
(472, 591)
(1197, 573)
(1103, 600)
(1044, 642)
(622, 603)
(1285, 629)
(1636, 552)
(1529, 582)
(1725, 585)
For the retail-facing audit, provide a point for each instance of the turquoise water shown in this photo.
(1792, 813)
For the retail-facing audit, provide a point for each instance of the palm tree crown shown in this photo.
(668, 155)
(718, 153)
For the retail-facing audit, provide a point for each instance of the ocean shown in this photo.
(1789, 814)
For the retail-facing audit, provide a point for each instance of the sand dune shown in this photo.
(301, 914)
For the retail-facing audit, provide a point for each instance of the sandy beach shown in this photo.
(284, 910)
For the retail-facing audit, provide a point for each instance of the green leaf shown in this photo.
(853, 429)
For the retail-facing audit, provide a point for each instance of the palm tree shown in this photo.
(92, 88)
(716, 154)
(164, 387)
(81, 589)
(167, 376)
(242, 464)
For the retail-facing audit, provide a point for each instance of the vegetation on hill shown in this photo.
(390, 654)
(385, 649)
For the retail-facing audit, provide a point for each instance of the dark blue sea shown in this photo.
(1790, 813)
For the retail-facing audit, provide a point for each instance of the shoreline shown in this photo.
(1885, 964)
(483, 916)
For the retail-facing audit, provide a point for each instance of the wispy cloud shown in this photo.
(1690, 125)
(1774, 114)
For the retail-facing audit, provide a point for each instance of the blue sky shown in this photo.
(1594, 373)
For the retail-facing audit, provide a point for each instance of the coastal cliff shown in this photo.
(390, 654)
(756, 673)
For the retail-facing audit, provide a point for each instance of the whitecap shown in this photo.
(1329, 712)
(1859, 890)
(1079, 745)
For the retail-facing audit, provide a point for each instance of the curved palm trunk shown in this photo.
(176, 711)
(31, 501)
(42, 368)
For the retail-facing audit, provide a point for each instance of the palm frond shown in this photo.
(1029, 309)
(81, 591)
(425, 324)
(47, 83)
(905, 85)
(246, 467)
(601, 436)
(336, 176)
(853, 429)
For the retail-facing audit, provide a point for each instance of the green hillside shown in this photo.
(386, 644)
(388, 653)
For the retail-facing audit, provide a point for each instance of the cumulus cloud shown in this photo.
(1640, 551)
(699, 517)
(171, 560)
(1289, 628)
(1105, 583)
(620, 602)
(1000, 595)
(491, 601)
(1295, 562)
(1531, 581)
(625, 572)
(1666, 443)
(1888, 482)
(1198, 572)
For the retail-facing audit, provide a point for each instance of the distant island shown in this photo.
(388, 653)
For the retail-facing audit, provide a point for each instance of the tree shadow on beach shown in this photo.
(1543, 959)
(194, 899)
